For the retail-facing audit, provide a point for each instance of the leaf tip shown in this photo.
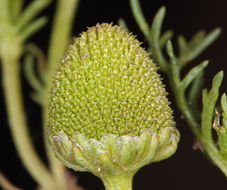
(224, 102)
(218, 30)
(162, 11)
(205, 63)
(169, 47)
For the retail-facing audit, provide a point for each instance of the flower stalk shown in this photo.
(121, 182)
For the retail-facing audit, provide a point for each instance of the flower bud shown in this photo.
(108, 111)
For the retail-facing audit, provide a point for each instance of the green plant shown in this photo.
(200, 122)
(18, 24)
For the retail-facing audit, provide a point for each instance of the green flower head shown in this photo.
(107, 91)
(107, 84)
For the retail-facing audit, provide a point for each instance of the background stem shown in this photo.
(6, 184)
(16, 7)
(61, 30)
(14, 104)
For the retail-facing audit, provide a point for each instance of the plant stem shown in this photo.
(208, 145)
(59, 39)
(183, 106)
(138, 14)
(188, 52)
(121, 182)
(16, 7)
(61, 30)
(6, 184)
(214, 154)
(10, 54)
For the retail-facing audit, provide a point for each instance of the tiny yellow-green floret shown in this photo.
(107, 84)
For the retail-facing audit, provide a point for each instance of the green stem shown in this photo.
(214, 154)
(10, 55)
(4, 14)
(61, 32)
(6, 184)
(173, 74)
(16, 7)
(183, 106)
(179, 91)
(59, 39)
(138, 15)
(121, 182)
(209, 147)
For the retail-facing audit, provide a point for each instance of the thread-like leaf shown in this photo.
(224, 105)
(165, 37)
(154, 40)
(194, 51)
(32, 28)
(222, 129)
(196, 39)
(33, 9)
(194, 93)
(192, 74)
(195, 88)
(30, 73)
(209, 101)
(182, 44)
(174, 65)
(122, 23)
(140, 19)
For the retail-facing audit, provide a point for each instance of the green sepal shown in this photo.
(128, 152)
(63, 147)
(114, 155)
(79, 158)
(168, 139)
(149, 153)
(143, 143)
(168, 150)
(111, 146)
(164, 136)
(62, 154)
(108, 165)
(80, 139)
(95, 148)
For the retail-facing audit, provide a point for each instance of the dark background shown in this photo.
(187, 169)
